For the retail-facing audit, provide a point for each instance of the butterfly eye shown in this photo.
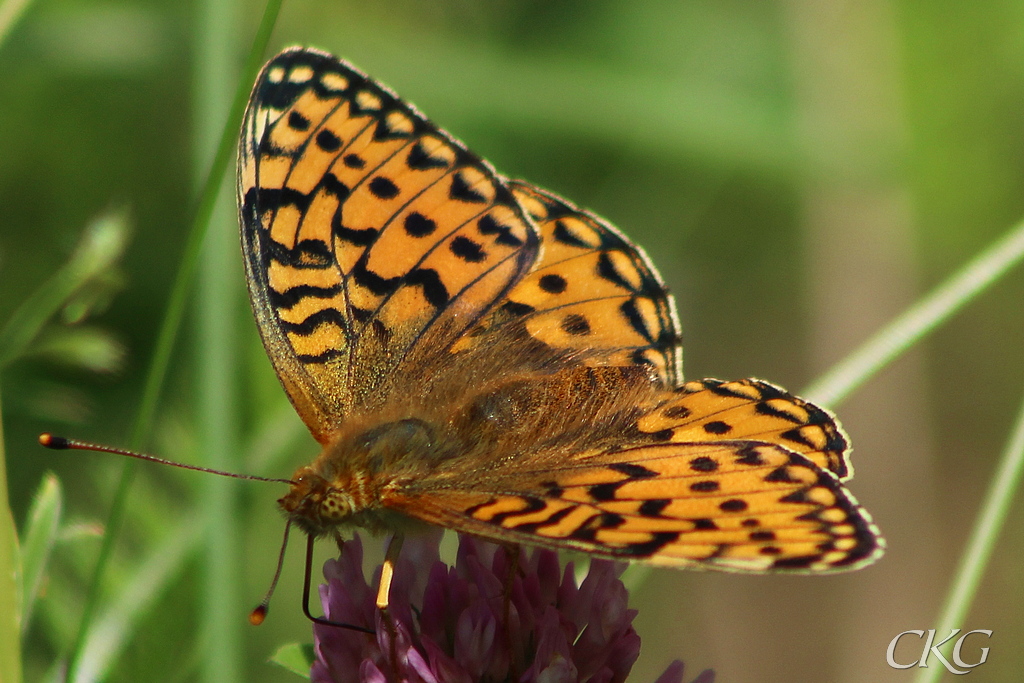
(335, 506)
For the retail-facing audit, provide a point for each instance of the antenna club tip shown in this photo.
(55, 442)
(257, 616)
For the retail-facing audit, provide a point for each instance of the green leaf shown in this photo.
(40, 534)
(296, 657)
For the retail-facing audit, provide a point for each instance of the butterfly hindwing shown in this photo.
(365, 229)
(711, 409)
(727, 475)
(730, 505)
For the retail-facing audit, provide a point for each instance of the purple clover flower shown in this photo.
(454, 624)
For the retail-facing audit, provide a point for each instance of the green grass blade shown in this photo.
(10, 582)
(902, 333)
(173, 315)
(41, 530)
(1001, 491)
(217, 417)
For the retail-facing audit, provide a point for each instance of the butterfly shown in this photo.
(477, 353)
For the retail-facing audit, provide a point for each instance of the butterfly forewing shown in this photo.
(366, 229)
(592, 292)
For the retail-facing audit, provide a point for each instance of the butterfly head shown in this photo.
(314, 504)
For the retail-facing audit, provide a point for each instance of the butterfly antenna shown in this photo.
(59, 443)
(305, 597)
(257, 616)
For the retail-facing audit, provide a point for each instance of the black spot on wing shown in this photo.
(297, 121)
(703, 464)
(383, 188)
(658, 541)
(354, 161)
(487, 225)
(631, 312)
(654, 507)
(733, 505)
(588, 530)
(781, 475)
(461, 191)
(748, 455)
(418, 225)
(606, 269)
(552, 283)
(328, 141)
(420, 160)
(515, 309)
(566, 236)
(552, 489)
(604, 492)
(533, 504)
(575, 325)
(633, 470)
(467, 250)
(704, 524)
(717, 427)
(676, 412)
(434, 290)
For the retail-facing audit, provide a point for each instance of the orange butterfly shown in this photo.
(477, 353)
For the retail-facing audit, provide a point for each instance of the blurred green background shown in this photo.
(800, 171)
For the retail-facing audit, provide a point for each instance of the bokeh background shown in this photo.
(800, 171)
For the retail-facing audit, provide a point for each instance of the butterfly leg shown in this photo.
(340, 542)
(387, 572)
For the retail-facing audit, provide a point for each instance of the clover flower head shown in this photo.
(472, 623)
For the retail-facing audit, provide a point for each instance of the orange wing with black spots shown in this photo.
(711, 410)
(738, 476)
(731, 505)
(592, 292)
(366, 231)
